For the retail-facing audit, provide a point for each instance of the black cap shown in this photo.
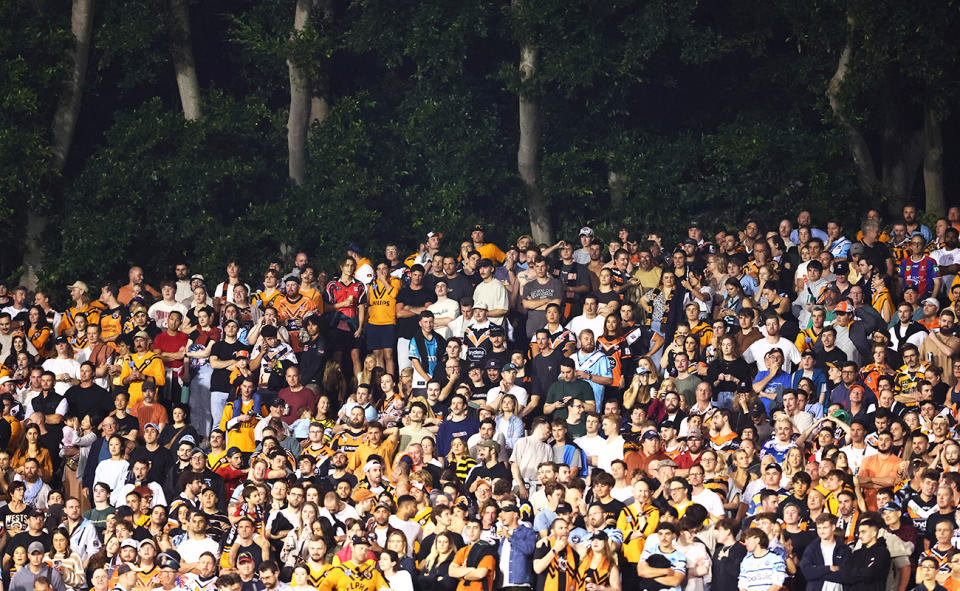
(355, 540)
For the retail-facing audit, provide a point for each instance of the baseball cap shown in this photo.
(188, 439)
(292, 278)
(490, 444)
(197, 276)
(431, 234)
(35, 548)
(775, 466)
(856, 249)
(492, 364)
(5, 379)
(480, 306)
(126, 568)
(169, 563)
(362, 494)
(244, 558)
(509, 367)
(649, 434)
(667, 464)
(359, 540)
(129, 543)
(142, 334)
(497, 331)
(932, 302)
(511, 508)
(642, 370)
(695, 435)
(149, 425)
(841, 267)
(79, 285)
(890, 507)
(242, 354)
(372, 464)
(586, 231)
(61, 340)
(563, 508)
(148, 541)
(844, 307)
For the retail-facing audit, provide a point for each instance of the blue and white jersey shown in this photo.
(678, 561)
(758, 574)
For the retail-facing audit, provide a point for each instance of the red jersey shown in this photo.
(338, 292)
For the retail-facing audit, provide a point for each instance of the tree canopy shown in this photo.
(649, 114)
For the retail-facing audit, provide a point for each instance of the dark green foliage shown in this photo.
(709, 110)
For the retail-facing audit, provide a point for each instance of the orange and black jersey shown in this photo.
(112, 321)
(348, 441)
(41, 339)
(91, 311)
(562, 572)
(703, 332)
(558, 339)
(264, 300)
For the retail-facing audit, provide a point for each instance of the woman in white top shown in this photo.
(389, 564)
(113, 472)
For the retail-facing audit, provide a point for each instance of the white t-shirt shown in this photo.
(58, 366)
(756, 352)
(160, 311)
(446, 309)
(710, 500)
(494, 295)
(581, 322)
(411, 529)
(517, 391)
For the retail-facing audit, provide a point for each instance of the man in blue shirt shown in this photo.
(770, 384)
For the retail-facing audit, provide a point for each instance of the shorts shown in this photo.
(343, 340)
(381, 336)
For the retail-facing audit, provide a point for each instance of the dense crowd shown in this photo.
(762, 409)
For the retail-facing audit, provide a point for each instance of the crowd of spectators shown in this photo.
(754, 409)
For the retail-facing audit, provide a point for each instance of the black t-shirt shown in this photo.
(936, 518)
(459, 287)
(612, 510)
(427, 544)
(545, 371)
(161, 463)
(25, 539)
(415, 298)
(13, 519)
(224, 351)
(499, 470)
(726, 566)
(93, 401)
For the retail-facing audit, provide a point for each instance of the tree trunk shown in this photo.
(33, 249)
(64, 126)
(182, 50)
(320, 99)
(933, 163)
(616, 182)
(68, 107)
(528, 161)
(300, 108)
(858, 145)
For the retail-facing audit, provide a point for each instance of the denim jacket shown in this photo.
(523, 541)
